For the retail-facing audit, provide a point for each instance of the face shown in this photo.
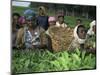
(94, 29)
(82, 33)
(52, 23)
(41, 12)
(30, 23)
(61, 20)
(15, 19)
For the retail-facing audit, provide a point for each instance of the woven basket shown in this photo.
(61, 38)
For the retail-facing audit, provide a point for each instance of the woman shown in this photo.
(60, 22)
(42, 18)
(15, 27)
(52, 23)
(21, 21)
(30, 35)
(25, 33)
(14, 35)
(79, 38)
(91, 38)
(15, 18)
(78, 22)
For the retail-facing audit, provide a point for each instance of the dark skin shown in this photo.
(30, 25)
(41, 12)
(61, 19)
(14, 22)
(15, 19)
(79, 22)
(81, 33)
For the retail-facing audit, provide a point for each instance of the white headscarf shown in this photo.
(80, 41)
(90, 31)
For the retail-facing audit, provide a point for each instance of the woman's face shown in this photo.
(61, 20)
(82, 33)
(15, 19)
(41, 12)
(29, 22)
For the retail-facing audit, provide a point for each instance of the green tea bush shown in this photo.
(44, 60)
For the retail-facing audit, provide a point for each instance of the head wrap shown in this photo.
(51, 19)
(80, 41)
(21, 20)
(90, 31)
(29, 12)
(42, 8)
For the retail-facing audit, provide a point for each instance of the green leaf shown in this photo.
(77, 51)
(83, 55)
(27, 62)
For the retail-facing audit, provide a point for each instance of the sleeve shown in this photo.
(65, 25)
(19, 38)
(37, 21)
(47, 23)
(57, 24)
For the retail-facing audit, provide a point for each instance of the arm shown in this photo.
(19, 39)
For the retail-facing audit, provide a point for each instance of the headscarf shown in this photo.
(60, 14)
(43, 8)
(90, 31)
(51, 18)
(80, 41)
(21, 20)
(29, 12)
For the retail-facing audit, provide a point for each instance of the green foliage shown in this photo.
(19, 9)
(44, 60)
(71, 21)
